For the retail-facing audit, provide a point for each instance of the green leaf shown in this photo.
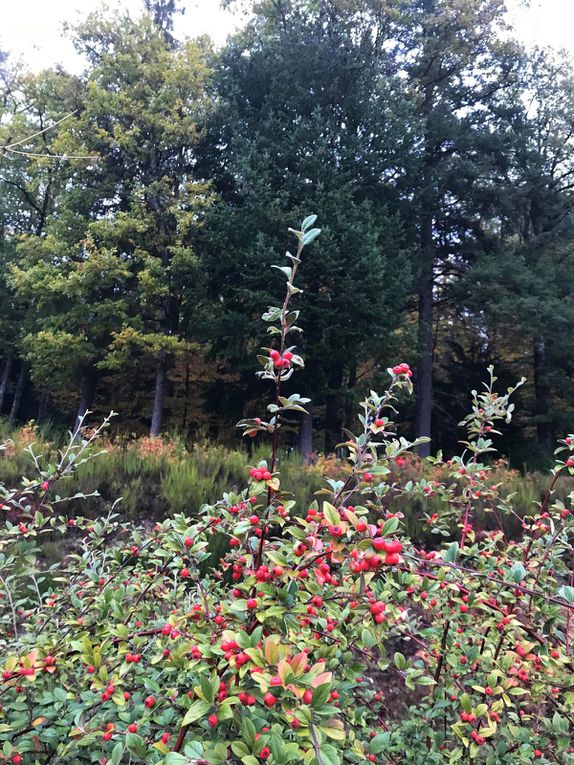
(136, 745)
(117, 753)
(567, 593)
(329, 755)
(206, 689)
(239, 749)
(310, 236)
(331, 514)
(320, 695)
(248, 731)
(277, 749)
(250, 760)
(390, 526)
(400, 661)
(194, 749)
(174, 758)
(451, 552)
(198, 709)
(424, 680)
(333, 728)
(517, 572)
(309, 220)
(378, 743)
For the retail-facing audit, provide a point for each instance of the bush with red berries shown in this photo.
(323, 636)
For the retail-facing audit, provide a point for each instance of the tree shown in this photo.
(132, 217)
(456, 64)
(33, 175)
(300, 122)
(162, 13)
(523, 282)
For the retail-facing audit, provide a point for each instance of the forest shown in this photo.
(143, 201)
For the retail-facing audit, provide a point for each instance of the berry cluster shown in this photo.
(281, 361)
(402, 369)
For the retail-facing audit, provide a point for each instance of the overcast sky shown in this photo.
(32, 28)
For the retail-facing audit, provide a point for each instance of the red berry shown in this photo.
(269, 699)
(132, 728)
(252, 604)
(149, 702)
(212, 720)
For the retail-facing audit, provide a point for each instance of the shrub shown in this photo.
(322, 636)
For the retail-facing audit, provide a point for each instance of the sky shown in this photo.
(32, 28)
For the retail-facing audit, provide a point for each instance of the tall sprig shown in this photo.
(279, 362)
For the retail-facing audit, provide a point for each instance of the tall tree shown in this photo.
(300, 128)
(523, 282)
(33, 175)
(131, 218)
(456, 63)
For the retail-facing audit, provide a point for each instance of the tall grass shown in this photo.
(159, 477)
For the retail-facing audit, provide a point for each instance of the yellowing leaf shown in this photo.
(324, 677)
(271, 651)
(334, 728)
(298, 663)
(331, 514)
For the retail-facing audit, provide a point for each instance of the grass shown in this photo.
(160, 477)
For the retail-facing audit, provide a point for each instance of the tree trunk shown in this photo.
(306, 435)
(542, 394)
(186, 397)
(424, 370)
(87, 395)
(159, 396)
(18, 392)
(426, 264)
(4, 379)
(43, 406)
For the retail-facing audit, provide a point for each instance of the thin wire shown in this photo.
(10, 146)
(28, 138)
(51, 156)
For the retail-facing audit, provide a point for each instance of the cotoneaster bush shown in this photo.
(133, 650)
